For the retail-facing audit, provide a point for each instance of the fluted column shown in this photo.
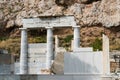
(49, 54)
(76, 37)
(24, 52)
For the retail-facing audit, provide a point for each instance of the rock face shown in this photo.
(86, 12)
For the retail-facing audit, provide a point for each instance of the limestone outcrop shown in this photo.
(86, 12)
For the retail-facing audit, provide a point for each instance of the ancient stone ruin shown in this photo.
(40, 58)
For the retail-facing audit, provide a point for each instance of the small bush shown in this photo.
(3, 38)
(68, 38)
(97, 44)
(66, 41)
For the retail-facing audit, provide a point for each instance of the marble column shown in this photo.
(76, 43)
(49, 54)
(24, 52)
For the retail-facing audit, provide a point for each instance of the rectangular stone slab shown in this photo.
(86, 49)
(57, 21)
(83, 63)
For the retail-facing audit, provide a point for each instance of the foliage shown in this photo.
(66, 41)
(3, 38)
(12, 45)
(97, 44)
(68, 38)
(118, 48)
(41, 39)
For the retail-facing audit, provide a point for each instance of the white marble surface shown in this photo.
(83, 63)
(62, 21)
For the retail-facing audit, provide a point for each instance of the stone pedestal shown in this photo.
(24, 52)
(76, 43)
(49, 55)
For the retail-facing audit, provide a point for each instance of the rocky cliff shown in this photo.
(86, 12)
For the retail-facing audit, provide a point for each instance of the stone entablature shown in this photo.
(49, 21)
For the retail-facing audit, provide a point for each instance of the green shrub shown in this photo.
(97, 44)
(68, 38)
(66, 41)
(3, 38)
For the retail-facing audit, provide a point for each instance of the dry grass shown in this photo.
(12, 45)
(114, 44)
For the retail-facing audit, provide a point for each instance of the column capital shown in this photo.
(76, 26)
(23, 28)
